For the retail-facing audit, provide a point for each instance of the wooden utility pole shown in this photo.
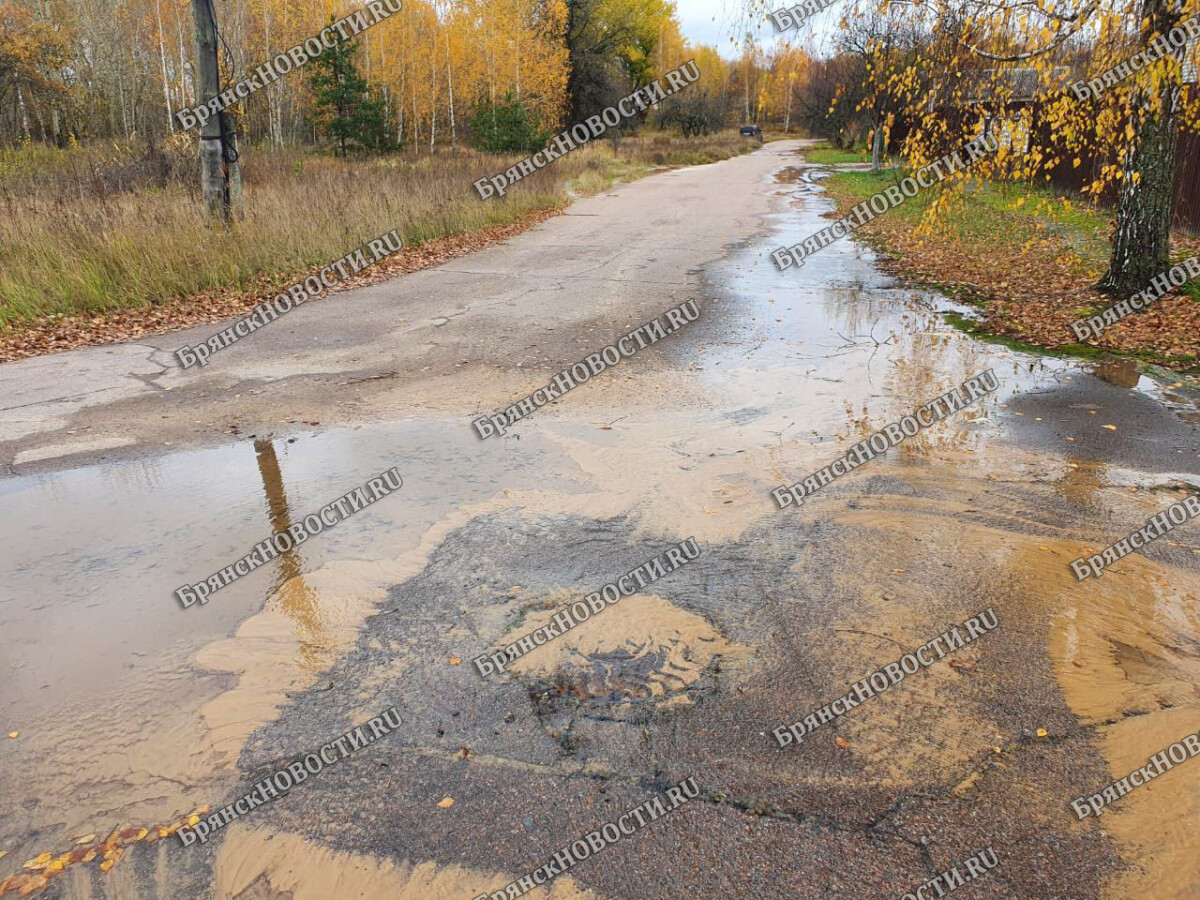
(220, 175)
(787, 117)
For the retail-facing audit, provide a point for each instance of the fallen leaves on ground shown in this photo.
(1033, 290)
(45, 866)
(446, 803)
(969, 782)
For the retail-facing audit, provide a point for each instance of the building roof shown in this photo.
(1015, 85)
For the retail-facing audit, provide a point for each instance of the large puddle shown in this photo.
(132, 711)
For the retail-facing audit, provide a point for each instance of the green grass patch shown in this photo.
(1067, 351)
(831, 156)
(859, 186)
(992, 211)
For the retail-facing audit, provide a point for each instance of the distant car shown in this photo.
(751, 131)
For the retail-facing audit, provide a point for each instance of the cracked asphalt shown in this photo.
(130, 476)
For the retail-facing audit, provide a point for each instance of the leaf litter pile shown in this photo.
(1032, 282)
(42, 869)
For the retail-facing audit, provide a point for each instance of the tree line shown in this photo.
(912, 77)
(434, 75)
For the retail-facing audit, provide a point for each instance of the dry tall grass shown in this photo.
(102, 228)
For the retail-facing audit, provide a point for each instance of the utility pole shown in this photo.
(220, 174)
(787, 118)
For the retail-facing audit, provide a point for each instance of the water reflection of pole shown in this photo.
(277, 509)
(293, 597)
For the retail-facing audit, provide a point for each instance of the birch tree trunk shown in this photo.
(162, 56)
(1142, 240)
(450, 87)
(23, 112)
(433, 98)
(403, 81)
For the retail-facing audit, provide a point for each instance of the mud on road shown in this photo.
(134, 714)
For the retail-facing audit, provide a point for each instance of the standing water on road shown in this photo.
(135, 714)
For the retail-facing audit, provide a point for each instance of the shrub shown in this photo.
(506, 127)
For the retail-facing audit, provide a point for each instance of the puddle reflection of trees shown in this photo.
(1081, 482)
(1120, 372)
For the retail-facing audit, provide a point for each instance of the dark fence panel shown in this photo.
(1066, 176)
(1187, 185)
(1069, 178)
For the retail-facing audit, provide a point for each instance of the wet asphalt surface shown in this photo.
(545, 768)
(986, 753)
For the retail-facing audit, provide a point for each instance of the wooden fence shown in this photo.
(1068, 177)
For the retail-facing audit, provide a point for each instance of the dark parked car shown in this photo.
(752, 131)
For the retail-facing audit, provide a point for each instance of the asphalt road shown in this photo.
(130, 477)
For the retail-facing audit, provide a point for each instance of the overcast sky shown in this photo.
(714, 22)
(708, 21)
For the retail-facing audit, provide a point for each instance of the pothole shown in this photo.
(644, 650)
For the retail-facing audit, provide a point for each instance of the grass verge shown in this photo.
(831, 156)
(1029, 259)
(109, 242)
